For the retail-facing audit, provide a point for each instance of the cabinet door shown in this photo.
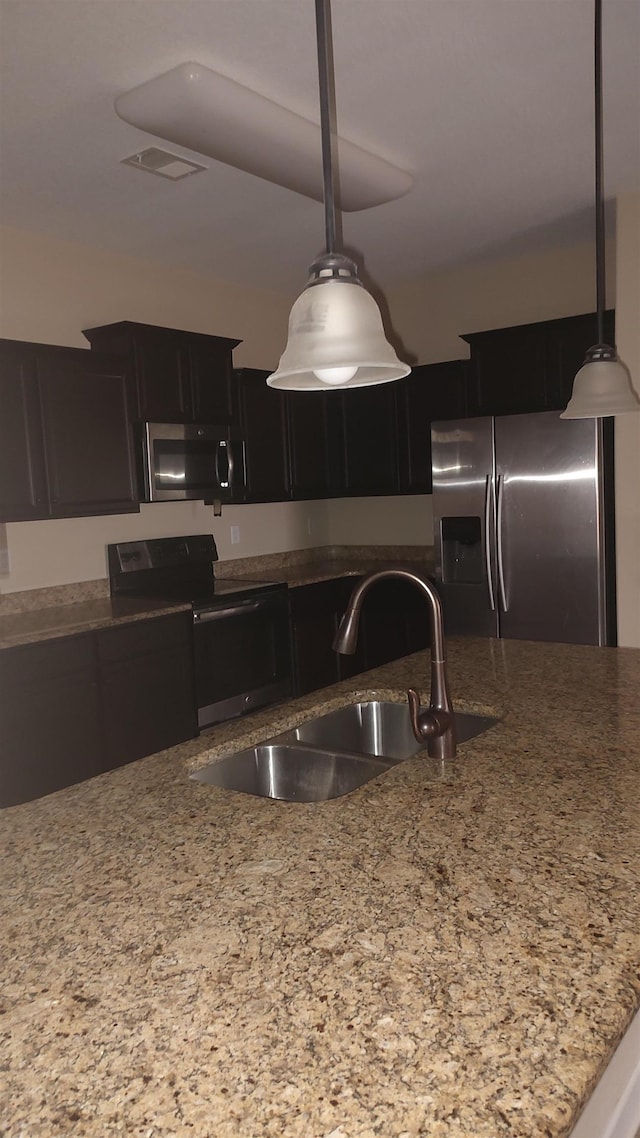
(162, 373)
(87, 433)
(508, 371)
(396, 622)
(263, 427)
(370, 440)
(23, 489)
(309, 444)
(314, 616)
(147, 687)
(49, 718)
(567, 343)
(431, 392)
(214, 396)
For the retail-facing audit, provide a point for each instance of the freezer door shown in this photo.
(464, 524)
(550, 528)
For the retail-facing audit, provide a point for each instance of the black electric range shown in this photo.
(242, 646)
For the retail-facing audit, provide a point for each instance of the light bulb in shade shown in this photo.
(334, 375)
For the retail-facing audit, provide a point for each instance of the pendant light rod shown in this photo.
(600, 241)
(325, 73)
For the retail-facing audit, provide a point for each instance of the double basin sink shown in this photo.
(331, 755)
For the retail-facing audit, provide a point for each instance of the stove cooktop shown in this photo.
(175, 569)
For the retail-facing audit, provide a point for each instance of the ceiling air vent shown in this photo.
(161, 162)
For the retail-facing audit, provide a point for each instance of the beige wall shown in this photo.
(74, 549)
(430, 314)
(380, 521)
(627, 427)
(50, 290)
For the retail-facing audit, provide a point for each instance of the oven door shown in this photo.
(192, 461)
(242, 655)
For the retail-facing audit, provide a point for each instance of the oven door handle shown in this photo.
(231, 610)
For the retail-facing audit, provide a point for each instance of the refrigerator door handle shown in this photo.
(501, 581)
(487, 542)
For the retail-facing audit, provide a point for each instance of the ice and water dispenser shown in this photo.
(462, 556)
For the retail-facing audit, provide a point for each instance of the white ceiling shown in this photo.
(488, 103)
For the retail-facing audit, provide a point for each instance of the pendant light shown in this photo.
(336, 338)
(603, 385)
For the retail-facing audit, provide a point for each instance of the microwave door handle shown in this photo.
(222, 613)
(487, 542)
(230, 463)
(501, 578)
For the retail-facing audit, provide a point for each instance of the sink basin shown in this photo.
(331, 755)
(378, 728)
(295, 774)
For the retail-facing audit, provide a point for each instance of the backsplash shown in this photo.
(272, 562)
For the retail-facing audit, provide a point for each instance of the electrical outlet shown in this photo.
(235, 535)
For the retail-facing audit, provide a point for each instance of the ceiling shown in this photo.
(488, 103)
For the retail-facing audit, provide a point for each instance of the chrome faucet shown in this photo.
(436, 725)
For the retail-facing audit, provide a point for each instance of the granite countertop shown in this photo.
(448, 951)
(43, 614)
(312, 572)
(33, 625)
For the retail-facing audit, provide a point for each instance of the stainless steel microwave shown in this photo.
(190, 460)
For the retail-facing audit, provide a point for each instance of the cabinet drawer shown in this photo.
(35, 663)
(142, 637)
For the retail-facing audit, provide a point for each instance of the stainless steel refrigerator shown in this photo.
(523, 527)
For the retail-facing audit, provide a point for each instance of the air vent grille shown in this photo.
(157, 161)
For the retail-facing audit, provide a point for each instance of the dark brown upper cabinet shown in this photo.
(178, 377)
(23, 477)
(263, 425)
(567, 341)
(66, 447)
(530, 367)
(311, 444)
(368, 430)
(429, 393)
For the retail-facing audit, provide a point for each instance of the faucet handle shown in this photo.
(414, 712)
(435, 726)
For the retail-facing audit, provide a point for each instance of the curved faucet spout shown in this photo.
(435, 726)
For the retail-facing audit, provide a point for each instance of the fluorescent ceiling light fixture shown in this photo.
(211, 114)
(336, 338)
(156, 161)
(603, 384)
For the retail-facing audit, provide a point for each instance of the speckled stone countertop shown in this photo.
(65, 620)
(310, 566)
(442, 953)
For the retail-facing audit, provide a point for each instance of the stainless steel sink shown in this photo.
(378, 728)
(331, 755)
(293, 773)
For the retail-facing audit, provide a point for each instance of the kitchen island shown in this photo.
(448, 951)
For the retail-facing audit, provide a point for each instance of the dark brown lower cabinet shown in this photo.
(73, 707)
(393, 623)
(314, 614)
(146, 687)
(50, 728)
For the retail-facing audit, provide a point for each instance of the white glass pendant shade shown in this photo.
(336, 340)
(602, 387)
